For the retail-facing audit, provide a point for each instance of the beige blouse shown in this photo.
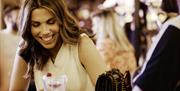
(67, 62)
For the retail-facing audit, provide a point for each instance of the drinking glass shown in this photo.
(54, 83)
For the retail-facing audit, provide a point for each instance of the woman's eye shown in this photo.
(35, 24)
(51, 21)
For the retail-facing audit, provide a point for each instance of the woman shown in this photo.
(52, 42)
(112, 42)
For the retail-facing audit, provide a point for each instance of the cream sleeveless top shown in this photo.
(67, 62)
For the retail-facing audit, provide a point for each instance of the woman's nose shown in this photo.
(45, 29)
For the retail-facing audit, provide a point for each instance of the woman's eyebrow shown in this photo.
(53, 18)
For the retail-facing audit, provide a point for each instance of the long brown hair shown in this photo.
(109, 27)
(30, 49)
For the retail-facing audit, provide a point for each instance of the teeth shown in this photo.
(47, 38)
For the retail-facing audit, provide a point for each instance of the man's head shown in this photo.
(10, 16)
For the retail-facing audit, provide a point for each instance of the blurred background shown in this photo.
(140, 19)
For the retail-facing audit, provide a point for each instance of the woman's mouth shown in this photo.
(47, 39)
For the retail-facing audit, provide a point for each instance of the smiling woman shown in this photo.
(52, 42)
(44, 29)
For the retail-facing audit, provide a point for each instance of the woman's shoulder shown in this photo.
(20, 50)
(84, 38)
(84, 35)
(85, 44)
(174, 22)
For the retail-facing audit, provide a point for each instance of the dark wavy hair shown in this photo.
(33, 52)
(169, 6)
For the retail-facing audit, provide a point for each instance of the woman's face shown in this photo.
(44, 28)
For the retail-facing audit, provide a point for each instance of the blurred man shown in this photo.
(161, 71)
(10, 18)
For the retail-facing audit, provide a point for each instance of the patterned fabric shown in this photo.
(114, 80)
(115, 57)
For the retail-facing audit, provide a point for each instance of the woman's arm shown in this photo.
(17, 81)
(90, 58)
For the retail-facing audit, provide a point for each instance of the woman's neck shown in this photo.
(10, 31)
(172, 14)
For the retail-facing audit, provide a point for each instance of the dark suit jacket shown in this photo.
(162, 71)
